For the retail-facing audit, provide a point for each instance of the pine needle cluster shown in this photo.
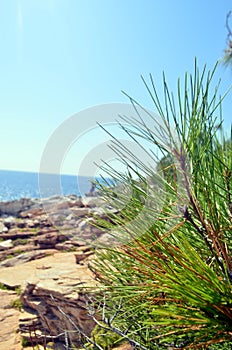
(169, 281)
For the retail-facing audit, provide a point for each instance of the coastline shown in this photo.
(15, 185)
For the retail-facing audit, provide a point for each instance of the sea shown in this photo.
(20, 184)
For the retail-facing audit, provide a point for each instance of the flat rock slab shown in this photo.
(58, 272)
(23, 258)
(9, 319)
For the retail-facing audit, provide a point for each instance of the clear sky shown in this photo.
(59, 57)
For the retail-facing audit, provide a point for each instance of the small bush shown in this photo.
(16, 304)
(106, 339)
(3, 286)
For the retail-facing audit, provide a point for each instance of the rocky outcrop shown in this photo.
(54, 316)
(54, 298)
(53, 223)
(7, 244)
(44, 251)
(15, 207)
(24, 257)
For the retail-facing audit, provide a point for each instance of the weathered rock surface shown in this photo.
(53, 223)
(58, 315)
(53, 296)
(24, 257)
(15, 207)
(9, 319)
(7, 244)
(44, 250)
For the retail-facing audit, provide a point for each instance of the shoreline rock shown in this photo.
(45, 246)
(53, 289)
(48, 222)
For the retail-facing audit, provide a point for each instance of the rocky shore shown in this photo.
(45, 247)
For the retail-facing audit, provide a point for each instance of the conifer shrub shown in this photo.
(168, 283)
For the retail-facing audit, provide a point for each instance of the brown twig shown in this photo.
(229, 32)
(209, 234)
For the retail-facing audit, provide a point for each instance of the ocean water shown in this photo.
(19, 184)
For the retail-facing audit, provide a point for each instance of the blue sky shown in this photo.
(59, 57)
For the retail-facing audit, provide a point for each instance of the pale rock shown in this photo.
(97, 211)
(3, 228)
(16, 206)
(69, 217)
(9, 319)
(9, 222)
(107, 240)
(22, 258)
(66, 246)
(7, 244)
(55, 203)
(80, 212)
(92, 202)
(56, 271)
(53, 292)
(83, 225)
(76, 203)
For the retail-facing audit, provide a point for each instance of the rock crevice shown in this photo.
(54, 315)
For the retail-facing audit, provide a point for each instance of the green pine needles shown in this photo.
(168, 284)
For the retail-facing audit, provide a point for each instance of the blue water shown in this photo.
(19, 184)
